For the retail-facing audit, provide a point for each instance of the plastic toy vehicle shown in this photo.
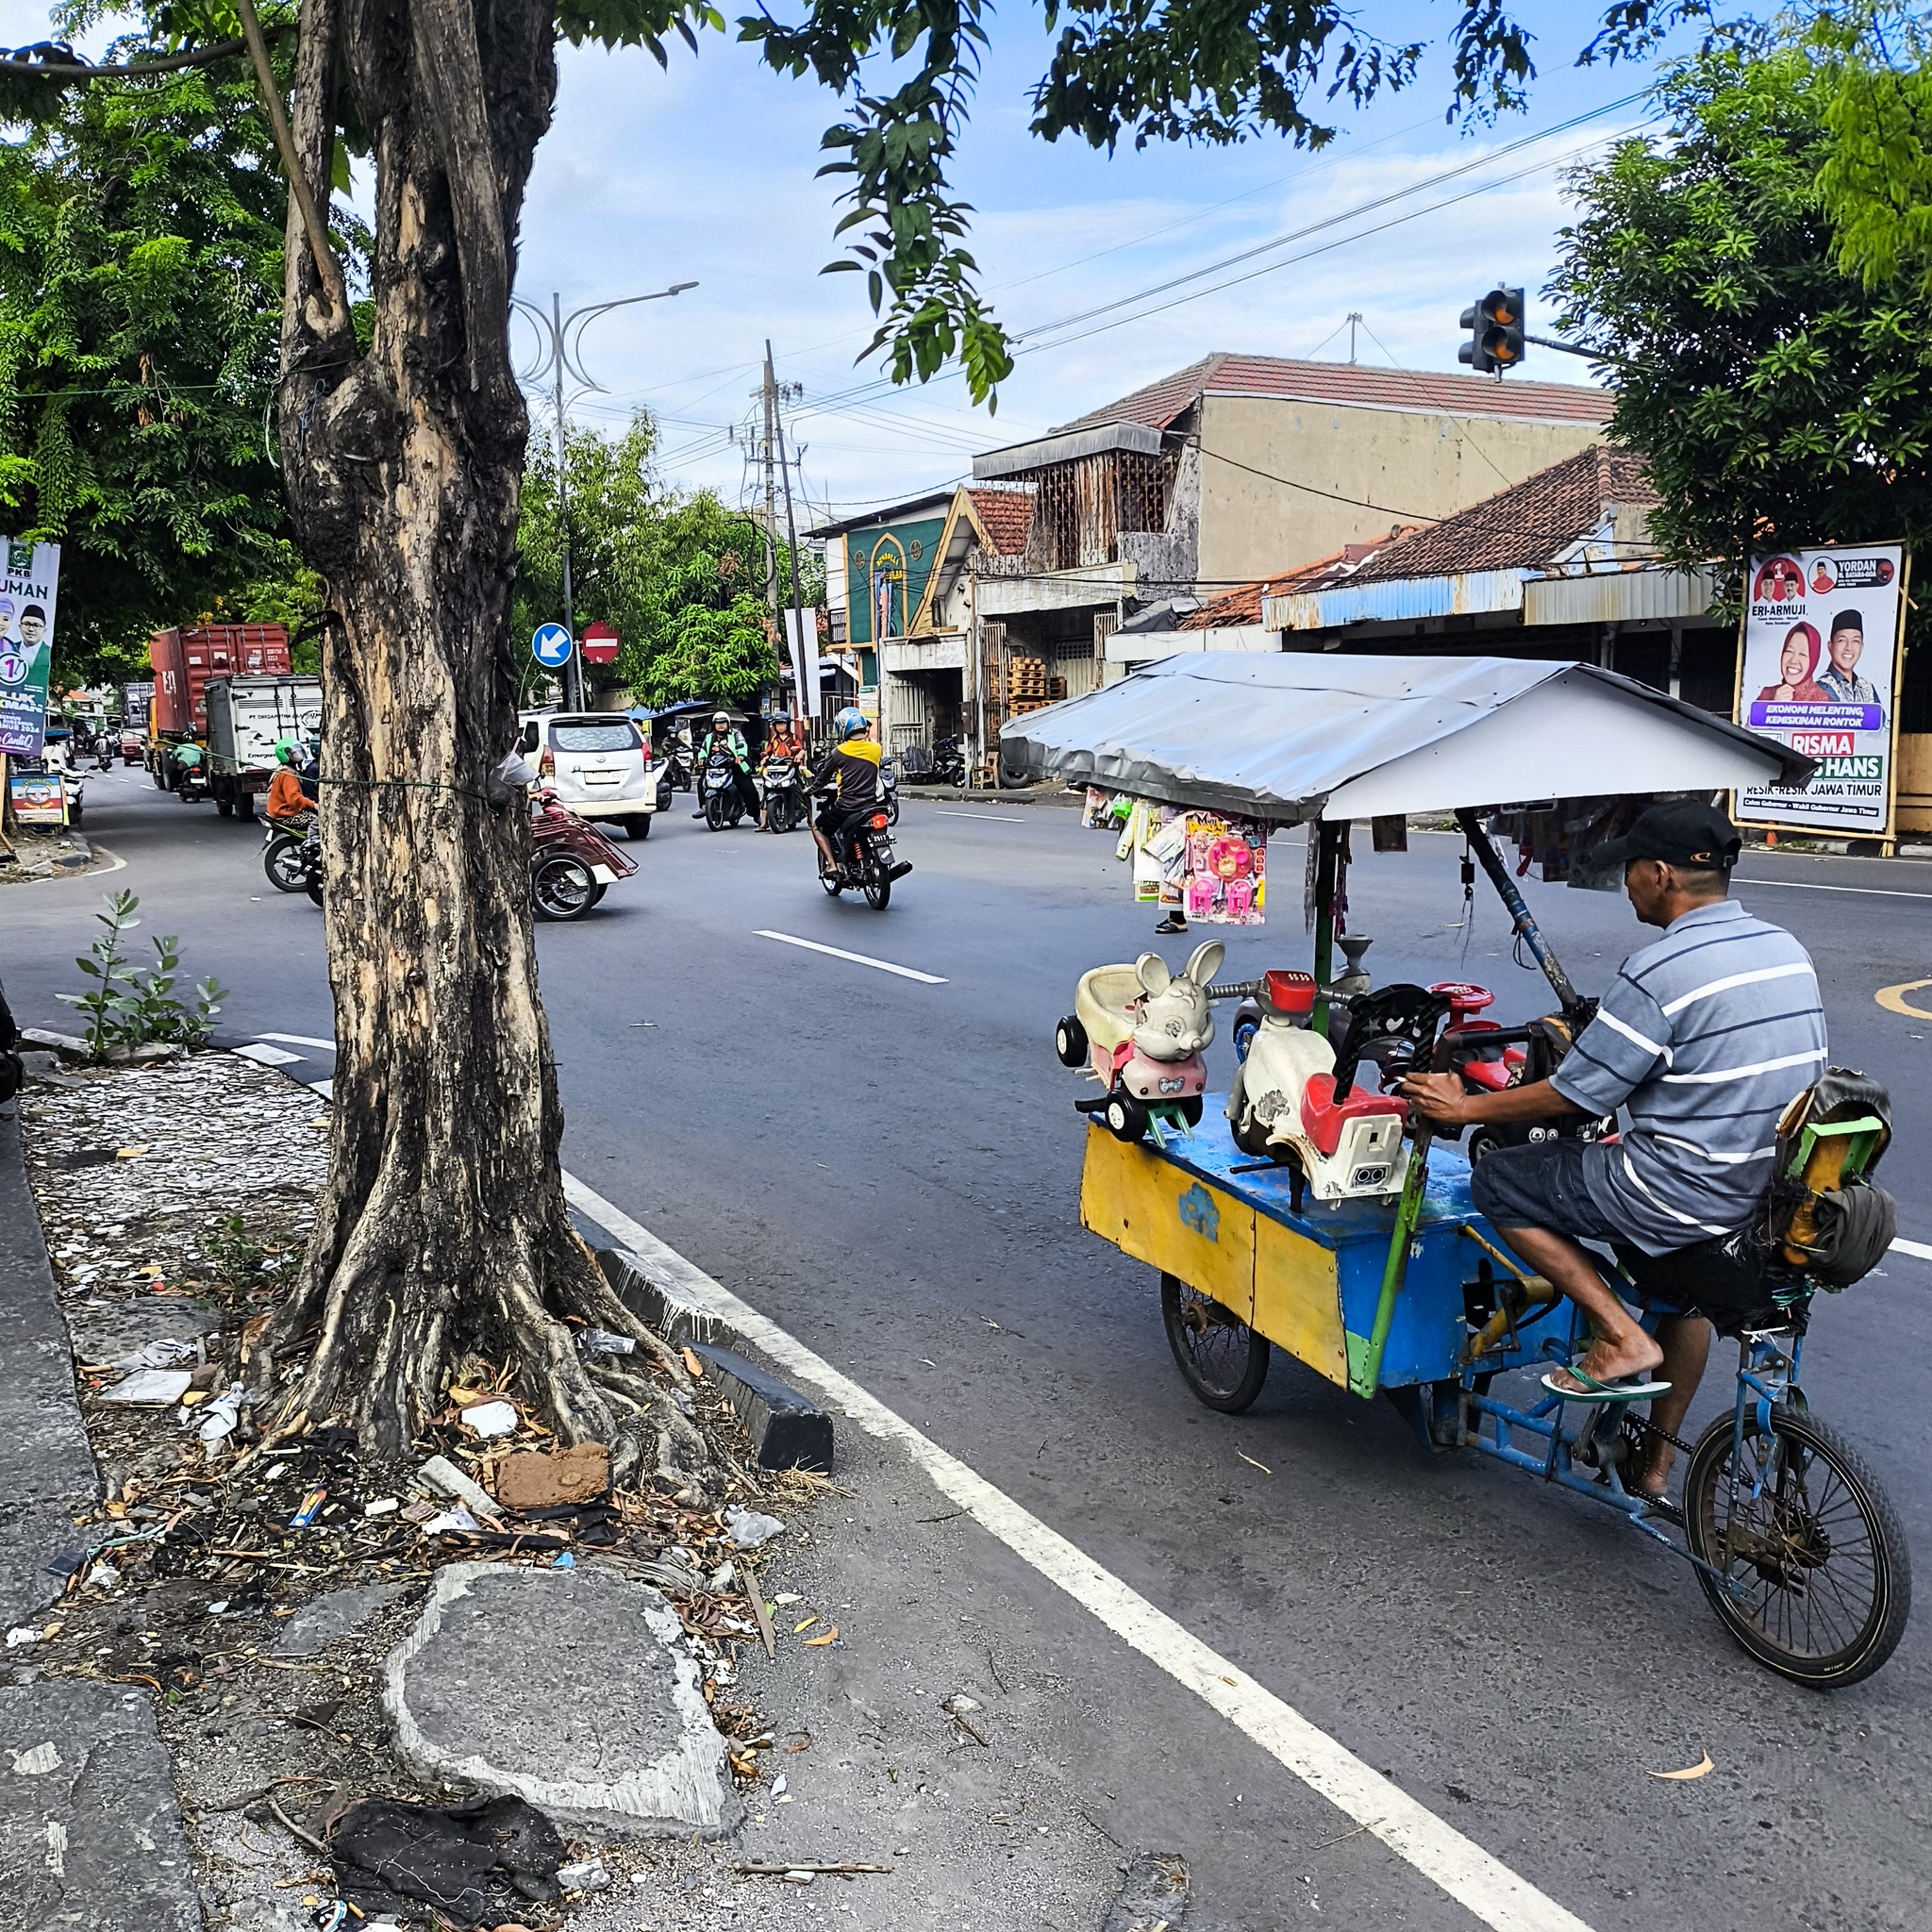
(1138, 1031)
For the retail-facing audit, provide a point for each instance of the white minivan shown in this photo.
(597, 763)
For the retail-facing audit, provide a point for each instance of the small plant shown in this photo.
(128, 1004)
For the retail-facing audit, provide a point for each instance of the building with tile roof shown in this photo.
(1559, 566)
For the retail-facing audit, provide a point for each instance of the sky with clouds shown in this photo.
(707, 172)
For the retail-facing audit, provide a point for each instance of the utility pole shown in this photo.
(807, 701)
(769, 392)
(563, 337)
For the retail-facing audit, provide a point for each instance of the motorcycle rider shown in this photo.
(725, 738)
(288, 805)
(784, 741)
(852, 769)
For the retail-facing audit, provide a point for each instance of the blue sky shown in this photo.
(705, 172)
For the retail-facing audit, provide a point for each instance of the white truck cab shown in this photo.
(597, 763)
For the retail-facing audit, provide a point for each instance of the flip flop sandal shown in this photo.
(1617, 1389)
(1170, 926)
(1660, 1505)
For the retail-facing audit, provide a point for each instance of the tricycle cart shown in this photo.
(1327, 1222)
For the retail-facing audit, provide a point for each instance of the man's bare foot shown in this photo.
(1605, 1362)
(1649, 1475)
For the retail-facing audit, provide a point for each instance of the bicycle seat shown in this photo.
(1323, 1117)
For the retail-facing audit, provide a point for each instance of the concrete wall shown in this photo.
(1415, 464)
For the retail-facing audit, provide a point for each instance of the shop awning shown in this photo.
(1301, 736)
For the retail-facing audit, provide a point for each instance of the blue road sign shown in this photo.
(551, 646)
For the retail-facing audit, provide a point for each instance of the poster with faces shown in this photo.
(26, 643)
(1821, 664)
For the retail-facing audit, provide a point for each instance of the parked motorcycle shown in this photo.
(722, 805)
(291, 855)
(866, 861)
(571, 863)
(784, 795)
(943, 764)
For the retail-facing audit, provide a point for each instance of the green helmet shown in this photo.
(285, 751)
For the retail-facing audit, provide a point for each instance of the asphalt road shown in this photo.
(889, 1168)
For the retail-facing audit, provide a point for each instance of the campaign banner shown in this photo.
(27, 591)
(1820, 663)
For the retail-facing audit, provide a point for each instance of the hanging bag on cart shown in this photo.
(1823, 1207)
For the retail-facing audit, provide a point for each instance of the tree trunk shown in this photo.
(442, 1228)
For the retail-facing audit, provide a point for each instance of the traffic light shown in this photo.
(1495, 332)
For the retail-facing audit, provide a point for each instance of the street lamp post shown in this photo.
(564, 338)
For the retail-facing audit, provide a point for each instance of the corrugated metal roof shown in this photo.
(1244, 605)
(1428, 391)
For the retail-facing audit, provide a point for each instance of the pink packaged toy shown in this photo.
(1201, 896)
(1237, 899)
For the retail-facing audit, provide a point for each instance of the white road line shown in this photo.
(998, 818)
(1483, 1884)
(265, 1056)
(325, 1087)
(787, 939)
(1919, 1248)
(1812, 886)
(298, 1040)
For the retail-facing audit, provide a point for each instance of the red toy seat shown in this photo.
(1494, 1074)
(1323, 1117)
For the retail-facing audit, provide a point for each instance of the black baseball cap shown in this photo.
(1681, 831)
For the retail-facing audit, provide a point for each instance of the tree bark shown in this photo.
(443, 1229)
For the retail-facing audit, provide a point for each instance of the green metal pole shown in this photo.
(1365, 1355)
(1328, 842)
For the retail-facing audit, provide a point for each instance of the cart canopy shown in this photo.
(1299, 735)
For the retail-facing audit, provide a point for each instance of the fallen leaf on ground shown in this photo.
(815, 1643)
(1684, 1776)
(696, 1367)
(129, 1153)
(806, 1625)
(1261, 1466)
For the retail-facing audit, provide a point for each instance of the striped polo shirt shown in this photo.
(1702, 1042)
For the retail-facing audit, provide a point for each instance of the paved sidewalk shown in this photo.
(90, 1824)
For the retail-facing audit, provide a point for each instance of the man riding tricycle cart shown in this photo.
(1673, 1160)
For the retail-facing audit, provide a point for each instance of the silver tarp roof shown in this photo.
(1298, 736)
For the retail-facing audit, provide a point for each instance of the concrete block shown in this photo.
(91, 1831)
(328, 1619)
(667, 1306)
(788, 1430)
(570, 1689)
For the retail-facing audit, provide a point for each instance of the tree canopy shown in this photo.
(680, 577)
(1776, 397)
(141, 243)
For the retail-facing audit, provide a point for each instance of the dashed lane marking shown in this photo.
(1484, 1885)
(787, 939)
(299, 1040)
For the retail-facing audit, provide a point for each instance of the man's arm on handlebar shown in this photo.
(1441, 1098)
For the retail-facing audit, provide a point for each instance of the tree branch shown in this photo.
(326, 266)
(16, 61)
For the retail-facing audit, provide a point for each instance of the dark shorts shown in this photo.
(1540, 1186)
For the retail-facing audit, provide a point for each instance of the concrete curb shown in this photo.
(788, 1430)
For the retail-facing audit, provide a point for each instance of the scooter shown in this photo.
(784, 795)
(104, 753)
(888, 790)
(292, 855)
(722, 805)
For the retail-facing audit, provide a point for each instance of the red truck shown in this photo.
(184, 659)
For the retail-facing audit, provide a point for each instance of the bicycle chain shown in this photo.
(1651, 1428)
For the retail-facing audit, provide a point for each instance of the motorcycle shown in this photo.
(865, 862)
(722, 805)
(104, 753)
(571, 863)
(291, 855)
(784, 795)
(945, 764)
(680, 762)
(888, 790)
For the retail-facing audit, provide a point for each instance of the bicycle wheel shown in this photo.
(562, 887)
(1220, 1359)
(1798, 1521)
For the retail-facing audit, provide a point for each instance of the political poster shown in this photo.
(27, 591)
(1818, 668)
(40, 798)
